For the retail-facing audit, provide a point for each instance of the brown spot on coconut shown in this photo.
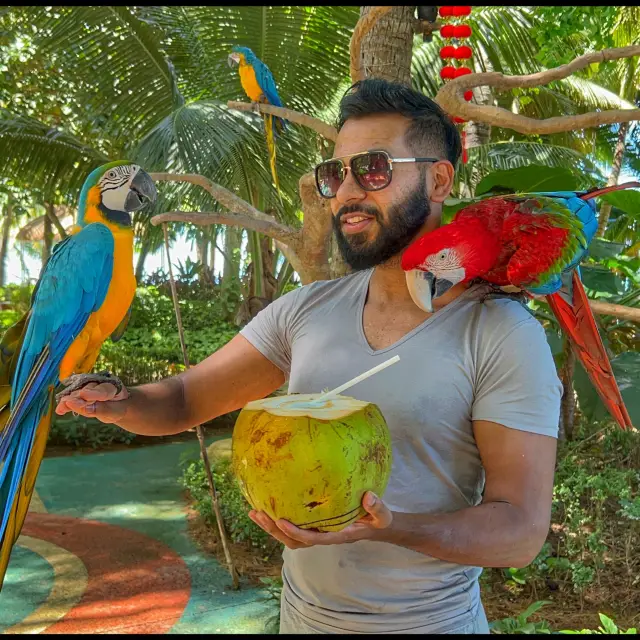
(334, 449)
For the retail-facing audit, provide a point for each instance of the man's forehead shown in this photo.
(379, 131)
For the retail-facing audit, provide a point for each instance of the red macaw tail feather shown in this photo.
(271, 146)
(594, 193)
(578, 323)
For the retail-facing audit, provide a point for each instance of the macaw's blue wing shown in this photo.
(265, 80)
(73, 285)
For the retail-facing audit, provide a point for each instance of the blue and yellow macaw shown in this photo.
(259, 85)
(82, 297)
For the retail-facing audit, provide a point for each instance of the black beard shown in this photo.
(403, 224)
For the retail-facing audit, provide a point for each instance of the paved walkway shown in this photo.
(105, 549)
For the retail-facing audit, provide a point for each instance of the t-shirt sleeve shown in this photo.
(516, 382)
(270, 330)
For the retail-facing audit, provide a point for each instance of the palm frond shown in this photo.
(34, 155)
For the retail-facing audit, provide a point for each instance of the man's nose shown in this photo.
(350, 190)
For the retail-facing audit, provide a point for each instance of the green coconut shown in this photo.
(311, 462)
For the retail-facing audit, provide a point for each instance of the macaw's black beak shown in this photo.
(141, 191)
(424, 288)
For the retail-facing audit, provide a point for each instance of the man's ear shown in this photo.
(441, 178)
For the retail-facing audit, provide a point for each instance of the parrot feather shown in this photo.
(530, 242)
(83, 294)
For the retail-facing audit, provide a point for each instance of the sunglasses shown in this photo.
(372, 171)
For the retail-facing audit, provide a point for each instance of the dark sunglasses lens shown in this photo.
(329, 178)
(372, 171)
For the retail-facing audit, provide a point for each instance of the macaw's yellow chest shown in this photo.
(250, 83)
(84, 351)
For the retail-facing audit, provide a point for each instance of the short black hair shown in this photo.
(431, 131)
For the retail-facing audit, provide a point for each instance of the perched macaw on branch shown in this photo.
(533, 242)
(82, 297)
(259, 85)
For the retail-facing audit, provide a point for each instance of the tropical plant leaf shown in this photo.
(528, 179)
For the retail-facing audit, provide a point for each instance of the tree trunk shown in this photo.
(4, 247)
(568, 404)
(202, 253)
(145, 248)
(387, 49)
(618, 156)
(47, 243)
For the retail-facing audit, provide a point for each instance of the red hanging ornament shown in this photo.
(448, 73)
(459, 31)
(460, 11)
(458, 120)
(448, 31)
(468, 95)
(445, 12)
(464, 53)
(462, 71)
(448, 52)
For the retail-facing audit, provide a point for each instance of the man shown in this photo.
(472, 406)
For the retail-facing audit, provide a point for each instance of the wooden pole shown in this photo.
(203, 448)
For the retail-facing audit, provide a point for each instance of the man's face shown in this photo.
(395, 215)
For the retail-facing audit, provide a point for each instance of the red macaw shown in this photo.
(533, 242)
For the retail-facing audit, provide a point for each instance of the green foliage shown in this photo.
(150, 348)
(273, 588)
(528, 179)
(14, 303)
(521, 623)
(608, 627)
(233, 506)
(595, 515)
(79, 432)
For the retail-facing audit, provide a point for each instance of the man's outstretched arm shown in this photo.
(234, 375)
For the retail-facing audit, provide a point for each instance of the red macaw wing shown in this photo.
(579, 324)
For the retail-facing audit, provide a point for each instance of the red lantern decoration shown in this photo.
(460, 11)
(463, 53)
(468, 95)
(462, 71)
(448, 31)
(445, 12)
(459, 31)
(447, 52)
(448, 73)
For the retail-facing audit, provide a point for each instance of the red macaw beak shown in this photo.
(424, 288)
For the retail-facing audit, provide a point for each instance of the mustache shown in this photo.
(357, 208)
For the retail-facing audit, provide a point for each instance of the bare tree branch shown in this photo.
(225, 197)
(319, 126)
(268, 227)
(451, 97)
(616, 310)
(363, 26)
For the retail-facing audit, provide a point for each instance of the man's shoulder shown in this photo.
(495, 317)
(326, 290)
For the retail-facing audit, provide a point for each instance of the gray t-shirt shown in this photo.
(475, 359)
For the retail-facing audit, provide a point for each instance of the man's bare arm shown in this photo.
(510, 526)
(234, 375)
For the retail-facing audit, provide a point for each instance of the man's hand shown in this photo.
(101, 401)
(378, 517)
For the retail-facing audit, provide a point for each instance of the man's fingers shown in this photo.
(264, 522)
(379, 513)
(100, 392)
